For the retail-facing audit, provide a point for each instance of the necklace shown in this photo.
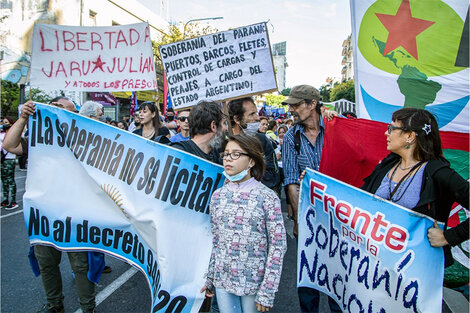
(149, 135)
(406, 168)
(399, 187)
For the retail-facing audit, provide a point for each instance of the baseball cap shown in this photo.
(302, 92)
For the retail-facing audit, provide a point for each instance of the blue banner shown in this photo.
(91, 186)
(368, 254)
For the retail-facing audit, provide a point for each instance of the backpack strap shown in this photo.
(297, 141)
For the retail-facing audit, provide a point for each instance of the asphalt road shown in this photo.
(125, 289)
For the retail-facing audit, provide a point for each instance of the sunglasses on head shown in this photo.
(182, 118)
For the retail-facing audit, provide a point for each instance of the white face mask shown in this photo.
(251, 128)
(239, 176)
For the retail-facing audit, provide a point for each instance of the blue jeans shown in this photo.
(230, 303)
(309, 299)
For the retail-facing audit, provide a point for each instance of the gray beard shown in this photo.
(218, 139)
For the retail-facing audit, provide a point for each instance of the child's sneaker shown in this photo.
(11, 206)
(4, 204)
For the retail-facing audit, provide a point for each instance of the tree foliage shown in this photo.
(286, 92)
(325, 91)
(38, 95)
(274, 100)
(10, 98)
(345, 90)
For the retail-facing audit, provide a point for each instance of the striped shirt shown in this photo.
(292, 163)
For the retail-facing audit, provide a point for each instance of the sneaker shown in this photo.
(107, 269)
(4, 204)
(51, 309)
(11, 206)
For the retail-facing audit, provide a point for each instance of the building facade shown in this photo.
(347, 71)
(280, 64)
(19, 16)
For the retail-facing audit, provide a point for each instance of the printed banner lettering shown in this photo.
(94, 187)
(219, 66)
(368, 254)
(111, 58)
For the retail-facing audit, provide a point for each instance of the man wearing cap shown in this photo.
(301, 148)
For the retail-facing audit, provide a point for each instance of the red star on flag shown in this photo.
(98, 64)
(403, 29)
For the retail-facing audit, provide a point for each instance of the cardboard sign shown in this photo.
(220, 66)
(112, 58)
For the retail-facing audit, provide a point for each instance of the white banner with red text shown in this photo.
(105, 58)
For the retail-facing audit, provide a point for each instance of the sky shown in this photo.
(313, 29)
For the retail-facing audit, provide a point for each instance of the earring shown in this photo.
(407, 145)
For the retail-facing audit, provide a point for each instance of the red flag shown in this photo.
(165, 94)
(353, 147)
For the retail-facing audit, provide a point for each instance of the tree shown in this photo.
(274, 100)
(10, 98)
(325, 92)
(38, 95)
(345, 90)
(286, 92)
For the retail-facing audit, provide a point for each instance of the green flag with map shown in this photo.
(415, 53)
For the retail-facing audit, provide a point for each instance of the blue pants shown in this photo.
(310, 301)
(230, 303)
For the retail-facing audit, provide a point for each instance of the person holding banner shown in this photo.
(249, 239)
(417, 176)
(45, 259)
(301, 148)
(150, 121)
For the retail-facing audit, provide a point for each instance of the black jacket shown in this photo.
(271, 176)
(441, 187)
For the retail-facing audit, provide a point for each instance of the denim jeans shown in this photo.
(230, 303)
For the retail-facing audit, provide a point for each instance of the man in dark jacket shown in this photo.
(207, 127)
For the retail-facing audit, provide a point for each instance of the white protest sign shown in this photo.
(219, 66)
(111, 58)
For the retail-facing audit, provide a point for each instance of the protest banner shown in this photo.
(219, 66)
(368, 254)
(94, 187)
(110, 58)
(411, 53)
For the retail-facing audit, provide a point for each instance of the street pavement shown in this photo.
(125, 289)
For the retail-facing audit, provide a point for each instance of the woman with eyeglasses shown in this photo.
(417, 176)
(150, 121)
(249, 239)
(183, 126)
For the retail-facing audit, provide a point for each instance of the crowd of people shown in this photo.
(263, 158)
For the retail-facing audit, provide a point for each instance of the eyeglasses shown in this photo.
(296, 105)
(233, 155)
(182, 118)
(392, 128)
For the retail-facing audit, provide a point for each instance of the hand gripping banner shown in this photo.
(368, 254)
